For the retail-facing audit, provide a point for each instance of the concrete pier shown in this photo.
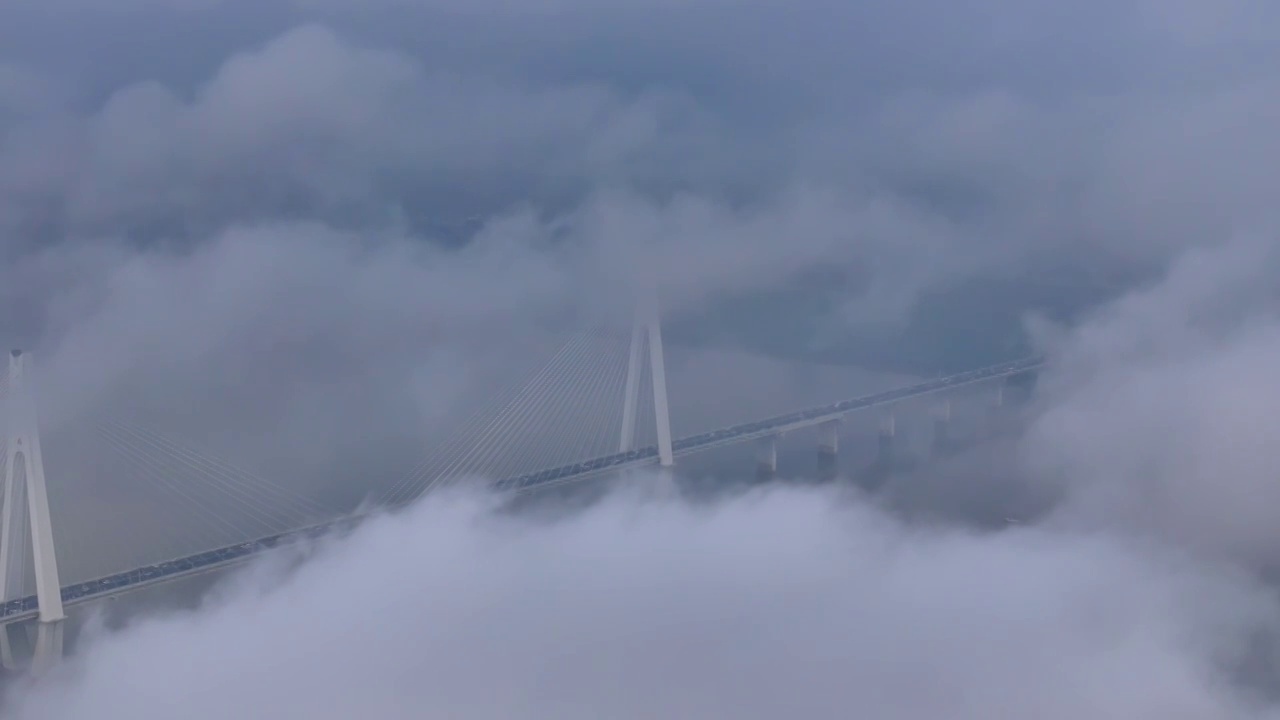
(942, 440)
(829, 450)
(32, 647)
(884, 446)
(878, 472)
(994, 419)
(47, 644)
(767, 458)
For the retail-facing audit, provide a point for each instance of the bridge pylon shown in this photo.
(24, 489)
(647, 331)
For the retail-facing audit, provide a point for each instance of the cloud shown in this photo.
(324, 227)
(309, 353)
(908, 167)
(1158, 417)
(644, 608)
(310, 124)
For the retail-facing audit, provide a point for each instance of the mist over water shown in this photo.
(780, 601)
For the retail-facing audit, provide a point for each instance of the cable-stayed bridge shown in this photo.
(595, 405)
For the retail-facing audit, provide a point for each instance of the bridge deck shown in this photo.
(26, 608)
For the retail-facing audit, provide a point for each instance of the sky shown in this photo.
(304, 230)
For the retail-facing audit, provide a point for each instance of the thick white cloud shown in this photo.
(1159, 414)
(776, 603)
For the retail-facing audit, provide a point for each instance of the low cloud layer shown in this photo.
(782, 602)
(1159, 415)
(1140, 595)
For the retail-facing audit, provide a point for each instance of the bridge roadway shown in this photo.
(26, 608)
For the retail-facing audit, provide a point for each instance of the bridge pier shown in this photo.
(48, 645)
(663, 485)
(32, 647)
(996, 410)
(767, 458)
(941, 429)
(829, 450)
(8, 657)
(878, 472)
(884, 442)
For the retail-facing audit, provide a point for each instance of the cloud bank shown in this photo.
(777, 603)
(1160, 415)
(1140, 595)
(877, 147)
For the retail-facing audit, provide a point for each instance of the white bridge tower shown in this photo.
(25, 491)
(647, 330)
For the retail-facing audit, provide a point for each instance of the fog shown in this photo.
(310, 234)
(778, 603)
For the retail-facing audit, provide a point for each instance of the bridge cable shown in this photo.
(426, 476)
(534, 416)
(450, 468)
(497, 433)
(571, 392)
(157, 459)
(307, 509)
